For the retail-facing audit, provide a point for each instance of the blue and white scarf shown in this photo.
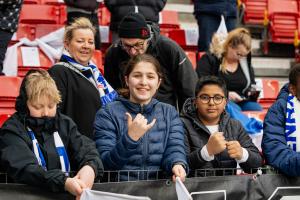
(60, 148)
(292, 125)
(107, 93)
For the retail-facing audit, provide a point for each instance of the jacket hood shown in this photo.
(189, 111)
(137, 108)
(21, 105)
(284, 92)
(155, 34)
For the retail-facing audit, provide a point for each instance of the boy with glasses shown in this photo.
(136, 37)
(215, 140)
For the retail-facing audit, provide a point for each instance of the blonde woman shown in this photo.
(231, 61)
(40, 146)
(83, 88)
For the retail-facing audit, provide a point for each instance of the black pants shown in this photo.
(5, 37)
(71, 16)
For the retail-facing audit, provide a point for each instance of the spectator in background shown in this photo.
(119, 9)
(136, 37)
(40, 146)
(137, 132)
(208, 15)
(83, 88)
(280, 142)
(231, 61)
(85, 8)
(9, 17)
(214, 139)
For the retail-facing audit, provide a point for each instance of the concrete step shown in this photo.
(185, 13)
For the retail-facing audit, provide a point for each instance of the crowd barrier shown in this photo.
(233, 187)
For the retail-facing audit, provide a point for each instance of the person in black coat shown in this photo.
(136, 37)
(148, 8)
(81, 84)
(41, 147)
(231, 61)
(213, 138)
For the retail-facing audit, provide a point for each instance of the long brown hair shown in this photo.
(132, 64)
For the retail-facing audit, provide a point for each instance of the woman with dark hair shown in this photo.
(40, 146)
(214, 139)
(137, 132)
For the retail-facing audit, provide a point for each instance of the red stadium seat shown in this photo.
(27, 31)
(180, 36)
(192, 57)
(3, 118)
(283, 16)
(44, 29)
(31, 2)
(270, 90)
(169, 19)
(104, 16)
(254, 11)
(9, 90)
(97, 59)
(53, 2)
(39, 14)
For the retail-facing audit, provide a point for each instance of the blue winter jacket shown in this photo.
(216, 7)
(274, 144)
(160, 148)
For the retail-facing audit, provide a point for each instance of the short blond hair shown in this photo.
(38, 84)
(236, 37)
(79, 23)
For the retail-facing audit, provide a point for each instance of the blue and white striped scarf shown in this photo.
(107, 93)
(60, 148)
(292, 125)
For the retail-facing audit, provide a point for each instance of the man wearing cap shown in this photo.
(136, 37)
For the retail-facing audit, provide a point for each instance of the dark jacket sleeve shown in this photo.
(184, 77)
(89, 5)
(255, 159)
(274, 144)
(109, 4)
(22, 166)
(113, 152)
(83, 150)
(59, 76)
(111, 69)
(175, 148)
(207, 65)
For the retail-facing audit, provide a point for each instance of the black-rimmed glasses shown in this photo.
(217, 99)
(136, 46)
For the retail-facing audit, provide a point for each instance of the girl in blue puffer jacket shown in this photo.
(137, 132)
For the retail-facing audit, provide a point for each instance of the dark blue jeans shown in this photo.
(208, 24)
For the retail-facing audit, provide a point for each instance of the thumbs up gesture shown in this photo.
(138, 126)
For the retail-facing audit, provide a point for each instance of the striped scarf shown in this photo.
(292, 127)
(60, 148)
(107, 93)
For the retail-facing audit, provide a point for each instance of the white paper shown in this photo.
(191, 37)
(30, 56)
(104, 32)
(182, 192)
(96, 195)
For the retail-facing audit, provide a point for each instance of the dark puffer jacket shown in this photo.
(160, 148)
(197, 136)
(216, 7)
(119, 9)
(19, 160)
